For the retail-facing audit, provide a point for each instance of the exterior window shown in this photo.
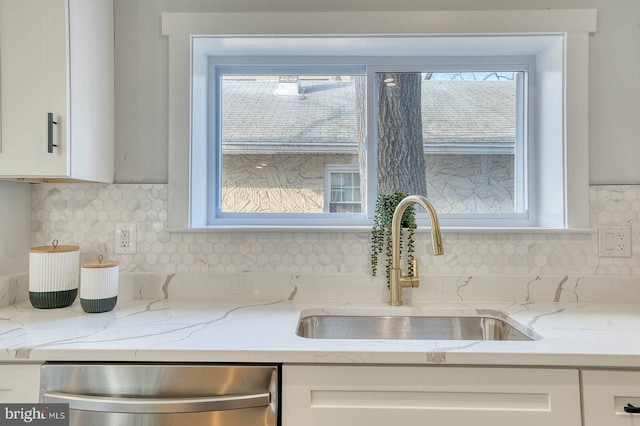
(344, 195)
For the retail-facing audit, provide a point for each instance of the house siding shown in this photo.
(294, 183)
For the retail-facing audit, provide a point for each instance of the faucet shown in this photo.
(397, 280)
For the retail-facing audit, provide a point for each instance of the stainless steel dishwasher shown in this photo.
(148, 394)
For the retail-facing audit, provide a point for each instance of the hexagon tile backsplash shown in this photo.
(86, 214)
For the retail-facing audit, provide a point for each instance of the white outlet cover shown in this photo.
(614, 241)
(132, 248)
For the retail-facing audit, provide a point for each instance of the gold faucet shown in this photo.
(397, 280)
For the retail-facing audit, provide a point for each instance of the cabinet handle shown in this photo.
(50, 124)
(629, 408)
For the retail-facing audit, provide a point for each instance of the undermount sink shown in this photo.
(480, 327)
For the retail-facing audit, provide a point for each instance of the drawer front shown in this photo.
(19, 383)
(606, 393)
(412, 395)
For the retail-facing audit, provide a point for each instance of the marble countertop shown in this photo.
(239, 328)
(145, 330)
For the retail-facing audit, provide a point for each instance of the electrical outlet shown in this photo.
(125, 238)
(614, 241)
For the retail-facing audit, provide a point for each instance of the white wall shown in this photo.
(15, 220)
(142, 80)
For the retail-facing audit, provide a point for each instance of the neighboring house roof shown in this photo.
(467, 115)
(322, 118)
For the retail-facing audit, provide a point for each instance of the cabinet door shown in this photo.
(19, 383)
(33, 83)
(606, 393)
(452, 396)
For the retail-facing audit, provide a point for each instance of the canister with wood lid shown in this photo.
(99, 285)
(53, 275)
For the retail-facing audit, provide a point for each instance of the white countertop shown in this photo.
(143, 330)
(263, 329)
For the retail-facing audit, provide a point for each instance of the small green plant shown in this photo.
(381, 232)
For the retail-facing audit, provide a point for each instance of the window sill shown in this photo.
(362, 229)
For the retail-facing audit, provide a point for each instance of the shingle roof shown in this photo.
(468, 112)
(321, 119)
(465, 114)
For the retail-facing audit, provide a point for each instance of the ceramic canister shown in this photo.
(53, 275)
(99, 285)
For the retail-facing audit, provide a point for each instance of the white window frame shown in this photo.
(368, 67)
(525, 189)
(561, 112)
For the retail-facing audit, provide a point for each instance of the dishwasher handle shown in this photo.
(157, 405)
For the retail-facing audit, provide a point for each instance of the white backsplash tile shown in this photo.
(86, 214)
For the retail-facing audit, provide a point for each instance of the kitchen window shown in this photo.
(519, 157)
(454, 133)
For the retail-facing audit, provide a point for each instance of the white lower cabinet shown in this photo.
(19, 383)
(419, 395)
(605, 395)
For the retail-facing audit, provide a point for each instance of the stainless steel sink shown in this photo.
(408, 327)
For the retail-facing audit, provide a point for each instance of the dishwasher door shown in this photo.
(124, 394)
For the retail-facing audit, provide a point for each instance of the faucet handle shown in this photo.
(414, 268)
(415, 281)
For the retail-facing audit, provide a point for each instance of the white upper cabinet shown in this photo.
(57, 90)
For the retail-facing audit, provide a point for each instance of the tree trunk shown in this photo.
(401, 164)
(361, 132)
